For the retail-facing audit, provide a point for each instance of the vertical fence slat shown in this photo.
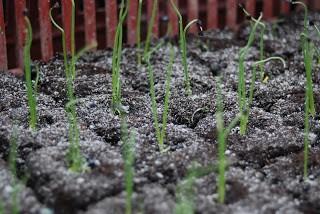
(19, 8)
(193, 13)
(232, 8)
(173, 18)
(132, 22)
(155, 28)
(251, 7)
(90, 21)
(66, 18)
(212, 14)
(268, 9)
(45, 29)
(111, 21)
(285, 7)
(317, 4)
(3, 48)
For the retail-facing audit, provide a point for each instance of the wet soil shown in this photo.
(265, 166)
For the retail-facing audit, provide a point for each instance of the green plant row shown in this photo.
(75, 159)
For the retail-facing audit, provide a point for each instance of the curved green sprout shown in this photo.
(75, 159)
(63, 42)
(241, 77)
(245, 117)
(308, 53)
(261, 43)
(183, 46)
(32, 103)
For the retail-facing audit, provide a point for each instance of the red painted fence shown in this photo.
(96, 20)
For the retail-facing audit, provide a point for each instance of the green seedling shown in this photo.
(116, 58)
(241, 76)
(308, 54)
(150, 26)
(74, 157)
(185, 189)
(306, 139)
(183, 45)
(308, 51)
(261, 42)
(139, 31)
(160, 131)
(32, 102)
(245, 118)
(128, 156)
(223, 133)
(12, 160)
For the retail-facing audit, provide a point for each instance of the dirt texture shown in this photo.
(265, 167)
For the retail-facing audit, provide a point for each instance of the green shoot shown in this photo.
(128, 156)
(306, 139)
(245, 118)
(223, 133)
(116, 58)
(241, 76)
(15, 201)
(12, 160)
(185, 189)
(183, 45)
(32, 103)
(185, 195)
(74, 157)
(308, 54)
(139, 31)
(261, 43)
(160, 131)
(150, 26)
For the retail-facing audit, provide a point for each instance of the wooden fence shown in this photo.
(96, 21)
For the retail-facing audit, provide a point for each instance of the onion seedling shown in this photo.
(116, 58)
(241, 76)
(223, 133)
(160, 131)
(32, 102)
(183, 45)
(185, 189)
(128, 156)
(245, 118)
(308, 53)
(261, 42)
(12, 160)
(306, 139)
(74, 157)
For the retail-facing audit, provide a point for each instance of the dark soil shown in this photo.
(265, 167)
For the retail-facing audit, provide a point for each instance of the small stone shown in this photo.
(159, 175)
(80, 180)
